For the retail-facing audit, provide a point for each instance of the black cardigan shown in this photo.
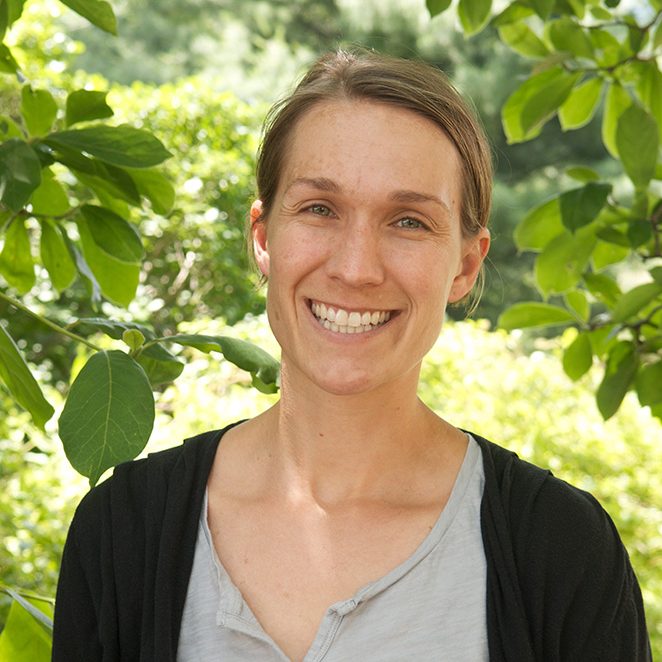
(560, 586)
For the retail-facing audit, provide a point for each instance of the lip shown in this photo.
(349, 337)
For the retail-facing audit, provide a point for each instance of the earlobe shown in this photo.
(474, 251)
(259, 234)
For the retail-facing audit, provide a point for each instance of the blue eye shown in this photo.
(410, 223)
(319, 210)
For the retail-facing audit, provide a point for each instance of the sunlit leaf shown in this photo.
(539, 226)
(17, 377)
(566, 35)
(23, 638)
(97, 12)
(436, 7)
(522, 39)
(634, 300)
(38, 109)
(620, 370)
(113, 235)
(580, 206)
(617, 101)
(637, 141)
(8, 64)
(155, 187)
(649, 384)
(576, 300)
(86, 105)
(16, 263)
(578, 357)
(603, 288)
(474, 14)
(55, 256)
(530, 314)
(49, 198)
(109, 414)
(580, 106)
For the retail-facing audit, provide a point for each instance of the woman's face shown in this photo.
(363, 246)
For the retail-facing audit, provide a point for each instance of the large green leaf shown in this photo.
(86, 105)
(474, 14)
(108, 181)
(649, 384)
(617, 101)
(560, 265)
(578, 357)
(16, 375)
(522, 39)
(9, 128)
(603, 288)
(112, 328)
(634, 300)
(580, 206)
(55, 256)
(155, 187)
(113, 235)
(49, 198)
(620, 370)
(530, 314)
(16, 263)
(580, 106)
(160, 365)
(38, 109)
(566, 35)
(10, 11)
(539, 226)
(20, 173)
(543, 7)
(637, 141)
(436, 7)
(649, 88)
(23, 638)
(534, 102)
(109, 414)
(123, 146)
(243, 354)
(8, 64)
(97, 12)
(117, 279)
(576, 301)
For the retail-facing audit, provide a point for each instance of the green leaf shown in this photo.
(656, 274)
(620, 370)
(639, 233)
(112, 328)
(560, 265)
(474, 14)
(97, 12)
(613, 236)
(524, 315)
(134, 339)
(49, 198)
(9, 128)
(617, 101)
(533, 103)
(543, 8)
(123, 146)
(109, 414)
(16, 263)
(156, 187)
(436, 7)
(108, 180)
(566, 35)
(607, 48)
(113, 235)
(10, 11)
(603, 288)
(581, 206)
(578, 357)
(582, 174)
(606, 253)
(86, 105)
(634, 300)
(160, 365)
(55, 256)
(649, 384)
(8, 64)
(20, 173)
(23, 638)
(580, 106)
(539, 226)
(17, 377)
(243, 354)
(38, 109)
(117, 279)
(513, 13)
(637, 141)
(576, 300)
(522, 39)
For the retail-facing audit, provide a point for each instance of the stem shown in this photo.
(52, 325)
(26, 594)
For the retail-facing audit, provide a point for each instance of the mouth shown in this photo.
(341, 320)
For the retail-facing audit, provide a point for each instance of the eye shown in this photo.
(410, 223)
(319, 210)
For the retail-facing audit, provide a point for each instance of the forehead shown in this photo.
(370, 145)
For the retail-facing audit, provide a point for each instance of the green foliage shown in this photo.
(26, 636)
(588, 238)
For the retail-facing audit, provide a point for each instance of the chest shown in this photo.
(291, 565)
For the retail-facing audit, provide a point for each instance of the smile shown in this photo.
(340, 320)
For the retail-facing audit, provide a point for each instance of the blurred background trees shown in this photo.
(199, 75)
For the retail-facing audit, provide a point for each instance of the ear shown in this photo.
(474, 250)
(259, 234)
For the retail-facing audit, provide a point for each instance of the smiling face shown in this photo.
(363, 246)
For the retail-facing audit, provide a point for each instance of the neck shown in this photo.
(339, 447)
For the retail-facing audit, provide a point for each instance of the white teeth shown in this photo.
(339, 320)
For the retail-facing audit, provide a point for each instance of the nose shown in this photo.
(356, 258)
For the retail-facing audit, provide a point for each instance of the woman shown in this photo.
(350, 522)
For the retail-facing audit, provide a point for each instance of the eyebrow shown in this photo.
(404, 195)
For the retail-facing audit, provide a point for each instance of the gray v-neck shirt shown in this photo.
(430, 607)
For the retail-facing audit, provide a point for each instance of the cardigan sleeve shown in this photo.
(578, 586)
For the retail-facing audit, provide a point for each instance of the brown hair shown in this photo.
(413, 85)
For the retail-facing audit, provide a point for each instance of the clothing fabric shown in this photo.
(429, 607)
(560, 587)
